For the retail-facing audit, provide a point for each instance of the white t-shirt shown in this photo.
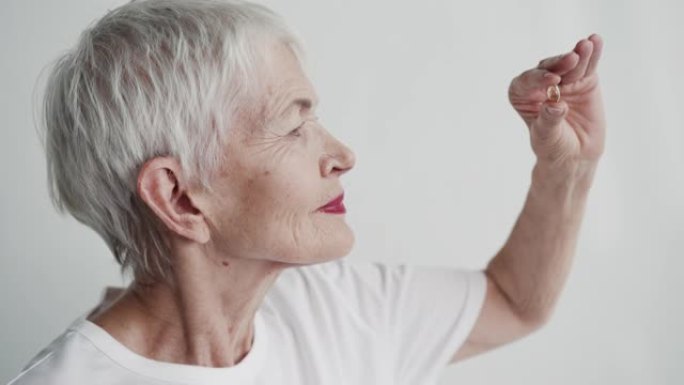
(339, 322)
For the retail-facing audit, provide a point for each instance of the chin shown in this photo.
(342, 247)
(334, 249)
(345, 242)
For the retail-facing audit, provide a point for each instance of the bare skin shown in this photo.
(535, 261)
(229, 245)
(194, 324)
(527, 275)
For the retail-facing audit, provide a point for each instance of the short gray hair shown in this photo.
(150, 78)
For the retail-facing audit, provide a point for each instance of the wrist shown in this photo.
(567, 176)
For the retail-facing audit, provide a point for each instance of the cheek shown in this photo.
(282, 192)
(287, 224)
(276, 197)
(279, 200)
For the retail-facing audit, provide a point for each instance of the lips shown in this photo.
(335, 206)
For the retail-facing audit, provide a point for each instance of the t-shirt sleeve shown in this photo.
(425, 313)
(430, 313)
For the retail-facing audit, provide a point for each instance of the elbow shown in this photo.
(536, 319)
(531, 311)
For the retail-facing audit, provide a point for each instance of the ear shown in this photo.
(161, 185)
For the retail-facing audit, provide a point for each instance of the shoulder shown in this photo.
(43, 367)
(341, 277)
(344, 289)
(66, 360)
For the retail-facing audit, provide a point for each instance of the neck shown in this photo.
(205, 318)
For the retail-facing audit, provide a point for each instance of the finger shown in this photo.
(596, 54)
(560, 64)
(584, 49)
(532, 84)
(549, 120)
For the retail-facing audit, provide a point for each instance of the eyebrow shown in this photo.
(301, 102)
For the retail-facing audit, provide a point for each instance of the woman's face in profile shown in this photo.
(278, 175)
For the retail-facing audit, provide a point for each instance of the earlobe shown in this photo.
(162, 187)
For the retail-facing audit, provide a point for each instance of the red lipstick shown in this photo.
(335, 206)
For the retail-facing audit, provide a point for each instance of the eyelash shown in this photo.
(296, 132)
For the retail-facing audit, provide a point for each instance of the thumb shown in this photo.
(550, 117)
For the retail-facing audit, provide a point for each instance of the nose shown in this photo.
(337, 159)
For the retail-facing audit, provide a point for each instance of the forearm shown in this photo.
(532, 266)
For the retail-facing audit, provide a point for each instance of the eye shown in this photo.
(296, 132)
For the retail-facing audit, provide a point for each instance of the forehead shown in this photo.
(285, 82)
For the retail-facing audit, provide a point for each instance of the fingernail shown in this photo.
(554, 110)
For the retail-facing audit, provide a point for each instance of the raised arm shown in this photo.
(527, 275)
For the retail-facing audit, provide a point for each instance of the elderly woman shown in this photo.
(185, 134)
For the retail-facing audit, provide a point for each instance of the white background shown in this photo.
(418, 91)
